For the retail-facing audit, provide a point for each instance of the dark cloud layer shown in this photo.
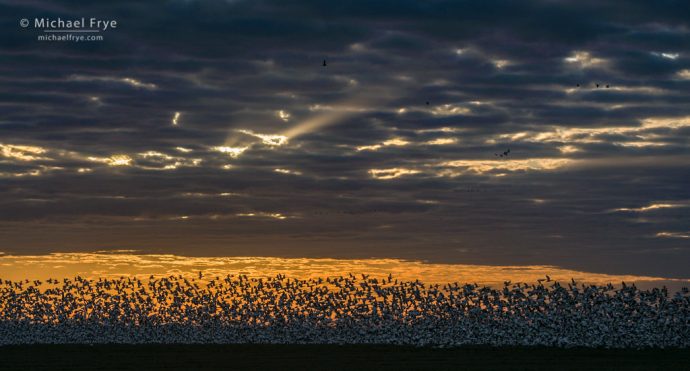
(212, 128)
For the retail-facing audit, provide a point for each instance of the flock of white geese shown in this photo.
(339, 310)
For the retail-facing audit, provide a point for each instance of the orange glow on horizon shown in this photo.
(128, 263)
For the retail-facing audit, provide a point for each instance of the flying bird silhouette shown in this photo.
(503, 154)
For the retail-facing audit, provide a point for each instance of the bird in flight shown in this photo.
(503, 154)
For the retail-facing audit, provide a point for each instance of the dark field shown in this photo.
(332, 357)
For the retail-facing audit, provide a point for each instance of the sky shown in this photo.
(212, 128)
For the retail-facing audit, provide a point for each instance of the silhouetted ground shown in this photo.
(332, 357)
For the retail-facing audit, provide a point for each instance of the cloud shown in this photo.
(391, 173)
(482, 167)
(389, 142)
(231, 151)
(114, 160)
(584, 59)
(284, 115)
(673, 235)
(120, 80)
(268, 139)
(175, 119)
(22, 153)
(653, 207)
